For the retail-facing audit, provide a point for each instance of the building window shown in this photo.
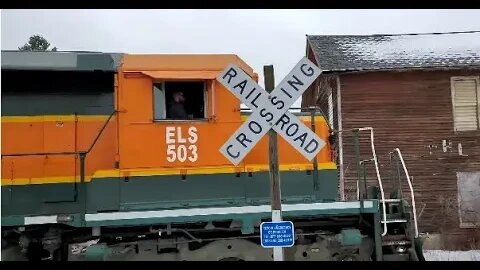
(466, 103)
(179, 100)
(468, 184)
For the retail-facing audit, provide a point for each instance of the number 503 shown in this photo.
(181, 153)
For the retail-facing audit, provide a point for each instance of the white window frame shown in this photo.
(452, 90)
(164, 113)
(164, 109)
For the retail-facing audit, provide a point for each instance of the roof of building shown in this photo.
(402, 51)
(60, 60)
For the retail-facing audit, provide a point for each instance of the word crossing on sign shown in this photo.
(271, 111)
(277, 234)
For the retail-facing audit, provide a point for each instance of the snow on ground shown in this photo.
(445, 255)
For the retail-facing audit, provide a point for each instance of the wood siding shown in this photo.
(411, 110)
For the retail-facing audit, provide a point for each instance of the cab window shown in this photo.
(179, 100)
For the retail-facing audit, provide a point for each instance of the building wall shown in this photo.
(411, 110)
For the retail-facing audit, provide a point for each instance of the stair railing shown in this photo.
(379, 179)
(399, 154)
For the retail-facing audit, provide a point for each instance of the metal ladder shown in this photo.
(379, 179)
(412, 195)
(396, 212)
(405, 216)
(401, 217)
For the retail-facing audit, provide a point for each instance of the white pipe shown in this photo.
(411, 191)
(358, 190)
(378, 178)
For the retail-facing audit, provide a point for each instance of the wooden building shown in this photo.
(420, 93)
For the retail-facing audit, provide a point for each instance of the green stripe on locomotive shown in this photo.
(148, 193)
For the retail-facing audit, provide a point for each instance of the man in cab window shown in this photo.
(177, 107)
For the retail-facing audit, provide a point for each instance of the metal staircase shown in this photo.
(400, 241)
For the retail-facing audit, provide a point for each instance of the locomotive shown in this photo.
(96, 167)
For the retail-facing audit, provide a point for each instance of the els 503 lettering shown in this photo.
(180, 148)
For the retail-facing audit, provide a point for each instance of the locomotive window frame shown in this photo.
(162, 116)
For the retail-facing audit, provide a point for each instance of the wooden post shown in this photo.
(275, 190)
(315, 162)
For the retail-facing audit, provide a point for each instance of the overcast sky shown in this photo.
(259, 37)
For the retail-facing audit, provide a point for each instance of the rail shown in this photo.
(377, 171)
(364, 168)
(66, 153)
(397, 150)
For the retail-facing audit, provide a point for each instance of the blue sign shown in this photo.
(277, 234)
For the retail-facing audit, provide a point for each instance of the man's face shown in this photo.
(179, 97)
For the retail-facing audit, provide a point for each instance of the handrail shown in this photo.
(411, 189)
(378, 178)
(363, 162)
(377, 173)
(66, 153)
(42, 154)
(101, 131)
(82, 155)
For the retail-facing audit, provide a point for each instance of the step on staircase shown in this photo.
(398, 243)
(400, 240)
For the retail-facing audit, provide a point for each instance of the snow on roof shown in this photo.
(377, 52)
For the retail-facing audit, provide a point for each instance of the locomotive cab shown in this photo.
(157, 148)
(172, 110)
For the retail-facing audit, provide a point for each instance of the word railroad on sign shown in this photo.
(271, 111)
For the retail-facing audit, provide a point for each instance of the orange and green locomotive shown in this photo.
(95, 166)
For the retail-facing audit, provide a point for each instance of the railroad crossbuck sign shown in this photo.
(271, 111)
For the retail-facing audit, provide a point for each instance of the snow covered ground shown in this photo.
(445, 255)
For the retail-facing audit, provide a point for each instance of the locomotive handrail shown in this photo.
(66, 153)
(43, 154)
(397, 150)
(101, 131)
(82, 155)
(377, 171)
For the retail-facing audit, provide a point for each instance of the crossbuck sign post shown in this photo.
(270, 111)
